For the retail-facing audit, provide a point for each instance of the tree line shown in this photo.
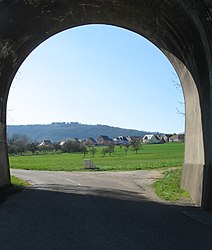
(19, 144)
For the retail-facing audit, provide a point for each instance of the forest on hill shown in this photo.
(59, 131)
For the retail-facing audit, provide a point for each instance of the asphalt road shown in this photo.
(96, 211)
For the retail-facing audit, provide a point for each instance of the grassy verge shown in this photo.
(16, 186)
(168, 188)
(17, 182)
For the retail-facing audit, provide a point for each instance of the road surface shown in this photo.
(96, 211)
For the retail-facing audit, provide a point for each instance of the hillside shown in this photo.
(60, 131)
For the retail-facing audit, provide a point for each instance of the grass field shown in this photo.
(148, 157)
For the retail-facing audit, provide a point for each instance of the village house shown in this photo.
(104, 140)
(45, 143)
(151, 139)
(134, 138)
(129, 139)
(90, 142)
(163, 138)
(177, 138)
(121, 140)
(69, 139)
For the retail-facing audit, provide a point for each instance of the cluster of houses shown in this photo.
(147, 139)
(104, 140)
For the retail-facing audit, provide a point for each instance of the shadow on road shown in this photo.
(67, 217)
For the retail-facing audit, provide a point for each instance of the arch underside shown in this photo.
(181, 29)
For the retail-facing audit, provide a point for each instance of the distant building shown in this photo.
(69, 139)
(177, 138)
(121, 140)
(90, 142)
(45, 143)
(151, 139)
(134, 138)
(104, 140)
(129, 139)
(163, 138)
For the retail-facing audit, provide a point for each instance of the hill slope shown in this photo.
(60, 131)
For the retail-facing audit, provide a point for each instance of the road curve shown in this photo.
(96, 211)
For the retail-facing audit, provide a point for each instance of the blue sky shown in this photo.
(97, 74)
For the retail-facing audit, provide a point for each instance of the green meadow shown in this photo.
(152, 156)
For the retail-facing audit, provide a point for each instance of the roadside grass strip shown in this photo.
(16, 186)
(168, 188)
(17, 182)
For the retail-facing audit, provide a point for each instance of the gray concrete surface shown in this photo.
(95, 211)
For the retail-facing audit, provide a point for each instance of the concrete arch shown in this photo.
(181, 29)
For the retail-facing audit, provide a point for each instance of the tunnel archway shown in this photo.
(181, 29)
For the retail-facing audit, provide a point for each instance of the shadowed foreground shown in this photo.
(70, 217)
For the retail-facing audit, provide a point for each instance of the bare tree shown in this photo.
(175, 81)
(93, 150)
(136, 144)
(126, 148)
(19, 142)
(33, 147)
(84, 150)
